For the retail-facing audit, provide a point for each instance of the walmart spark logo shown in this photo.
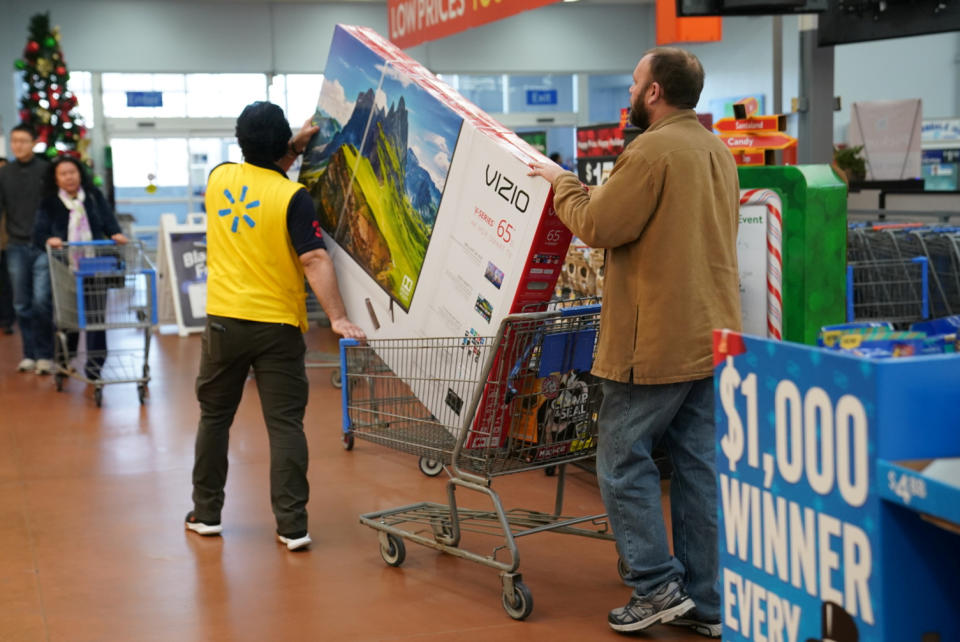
(241, 209)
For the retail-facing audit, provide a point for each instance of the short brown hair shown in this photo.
(679, 73)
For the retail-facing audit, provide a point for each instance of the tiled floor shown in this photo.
(92, 545)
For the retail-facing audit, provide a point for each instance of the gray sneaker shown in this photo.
(706, 629)
(664, 604)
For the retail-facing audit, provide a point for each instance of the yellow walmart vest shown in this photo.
(253, 272)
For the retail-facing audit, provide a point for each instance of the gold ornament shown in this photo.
(44, 115)
(44, 66)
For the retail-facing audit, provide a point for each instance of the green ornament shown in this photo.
(19, 64)
(50, 42)
(98, 181)
(51, 152)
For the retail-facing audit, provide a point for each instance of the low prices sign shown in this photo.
(796, 487)
(412, 22)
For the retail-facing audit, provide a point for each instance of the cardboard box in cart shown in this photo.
(434, 227)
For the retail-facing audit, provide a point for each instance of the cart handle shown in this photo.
(90, 243)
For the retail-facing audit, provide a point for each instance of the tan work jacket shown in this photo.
(668, 218)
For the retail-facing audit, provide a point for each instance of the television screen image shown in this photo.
(377, 168)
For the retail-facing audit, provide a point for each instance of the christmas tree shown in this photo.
(47, 104)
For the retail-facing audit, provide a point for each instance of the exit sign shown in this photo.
(541, 96)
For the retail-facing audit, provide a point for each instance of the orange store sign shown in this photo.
(412, 22)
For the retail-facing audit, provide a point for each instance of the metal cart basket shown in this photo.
(100, 286)
(484, 407)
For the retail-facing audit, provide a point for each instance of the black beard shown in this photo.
(639, 116)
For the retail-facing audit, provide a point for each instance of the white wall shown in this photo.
(923, 67)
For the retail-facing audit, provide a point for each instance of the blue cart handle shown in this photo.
(89, 243)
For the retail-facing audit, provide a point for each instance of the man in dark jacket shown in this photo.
(21, 186)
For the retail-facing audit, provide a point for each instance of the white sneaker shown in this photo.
(295, 543)
(27, 365)
(44, 366)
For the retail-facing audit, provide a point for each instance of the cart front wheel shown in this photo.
(520, 604)
(394, 552)
(98, 396)
(430, 467)
(348, 441)
(58, 380)
(141, 392)
(335, 378)
(550, 471)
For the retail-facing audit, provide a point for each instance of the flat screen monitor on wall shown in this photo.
(748, 7)
(862, 20)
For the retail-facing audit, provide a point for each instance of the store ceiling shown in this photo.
(383, 2)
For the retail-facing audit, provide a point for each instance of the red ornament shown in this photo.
(24, 115)
(61, 70)
(53, 102)
(35, 97)
(33, 46)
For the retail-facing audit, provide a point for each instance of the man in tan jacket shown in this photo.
(667, 218)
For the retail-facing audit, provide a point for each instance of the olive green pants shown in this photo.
(276, 353)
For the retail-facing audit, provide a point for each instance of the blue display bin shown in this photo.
(814, 543)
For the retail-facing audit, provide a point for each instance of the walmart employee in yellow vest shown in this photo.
(262, 240)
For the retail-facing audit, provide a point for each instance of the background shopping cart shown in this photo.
(485, 407)
(100, 286)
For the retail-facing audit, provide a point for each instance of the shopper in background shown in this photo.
(668, 219)
(74, 210)
(262, 239)
(7, 314)
(21, 187)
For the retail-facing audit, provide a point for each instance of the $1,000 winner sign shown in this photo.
(795, 474)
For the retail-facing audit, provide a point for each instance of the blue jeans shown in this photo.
(32, 300)
(634, 419)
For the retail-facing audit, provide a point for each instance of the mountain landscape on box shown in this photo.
(371, 193)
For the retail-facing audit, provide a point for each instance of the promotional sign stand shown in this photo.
(822, 532)
(755, 140)
(182, 272)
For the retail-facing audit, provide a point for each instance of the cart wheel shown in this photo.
(141, 392)
(348, 441)
(98, 396)
(430, 467)
(443, 533)
(335, 379)
(622, 568)
(520, 604)
(58, 380)
(395, 552)
(550, 471)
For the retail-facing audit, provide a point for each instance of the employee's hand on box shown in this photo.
(299, 141)
(347, 330)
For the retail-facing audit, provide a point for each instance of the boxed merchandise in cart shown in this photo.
(433, 225)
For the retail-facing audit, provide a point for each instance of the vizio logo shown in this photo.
(507, 189)
(239, 209)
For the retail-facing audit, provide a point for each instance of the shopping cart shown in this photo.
(894, 290)
(100, 286)
(484, 407)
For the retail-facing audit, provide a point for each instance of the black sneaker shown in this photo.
(706, 629)
(665, 604)
(202, 528)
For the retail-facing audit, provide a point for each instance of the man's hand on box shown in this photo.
(549, 170)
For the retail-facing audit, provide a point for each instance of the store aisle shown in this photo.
(92, 544)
